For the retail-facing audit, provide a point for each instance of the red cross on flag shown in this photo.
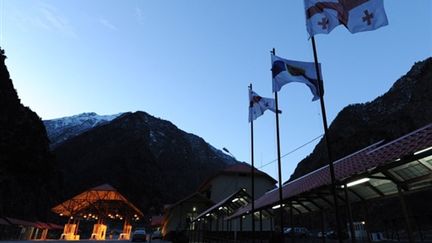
(322, 16)
(258, 104)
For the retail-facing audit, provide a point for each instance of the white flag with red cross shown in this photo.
(258, 105)
(322, 16)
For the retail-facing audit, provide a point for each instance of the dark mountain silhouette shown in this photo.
(28, 177)
(405, 107)
(147, 159)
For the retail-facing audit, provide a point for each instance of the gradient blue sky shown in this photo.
(191, 62)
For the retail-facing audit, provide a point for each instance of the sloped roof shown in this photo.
(239, 168)
(228, 201)
(103, 193)
(187, 198)
(3, 221)
(21, 222)
(42, 225)
(55, 226)
(374, 158)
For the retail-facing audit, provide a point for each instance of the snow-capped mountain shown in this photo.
(150, 160)
(62, 129)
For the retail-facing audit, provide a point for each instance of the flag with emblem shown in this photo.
(258, 105)
(286, 71)
(322, 16)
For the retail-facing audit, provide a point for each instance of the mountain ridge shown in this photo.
(28, 171)
(149, 159)
(63, 128)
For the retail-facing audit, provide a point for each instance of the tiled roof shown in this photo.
(369, 158)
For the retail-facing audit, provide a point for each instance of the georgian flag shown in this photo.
(322, 16)
(287, 71)
(258, 104)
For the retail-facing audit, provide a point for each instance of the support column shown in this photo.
(405, 213)
(367, 228)
(292, 221)
(261, 225)
(350, 217)
(322, 227)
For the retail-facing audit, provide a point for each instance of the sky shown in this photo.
(191, 61)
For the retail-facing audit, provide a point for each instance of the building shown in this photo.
(179, 215)
(216, 190)
(236, 177)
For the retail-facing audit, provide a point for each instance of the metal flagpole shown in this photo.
(253, 176)
(330, 158)
(279, 160)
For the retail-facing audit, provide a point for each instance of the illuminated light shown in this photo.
(423, 150)
(243, 217)
(363, 222)
(61, 214)
(220, 208)
(85, 216)
(90, 214)
(71, 217)
(235, 200)
(363, 180)
(117, 215)
(194, 209)
(278, 206)
(207, 215)
(135, 215)
(137, 218)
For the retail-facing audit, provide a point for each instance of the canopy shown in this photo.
(103, 197)
(380, 170)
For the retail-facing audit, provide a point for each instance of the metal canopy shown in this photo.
(100, 198)
(227, 206)
(373, 172)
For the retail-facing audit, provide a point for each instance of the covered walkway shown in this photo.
(381, 170)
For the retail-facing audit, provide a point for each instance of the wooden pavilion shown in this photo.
(100, 204)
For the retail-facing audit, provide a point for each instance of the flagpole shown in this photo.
(253, 176)
(279, 160)
(326, 136)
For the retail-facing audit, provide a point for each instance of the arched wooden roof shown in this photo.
(92, 199)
